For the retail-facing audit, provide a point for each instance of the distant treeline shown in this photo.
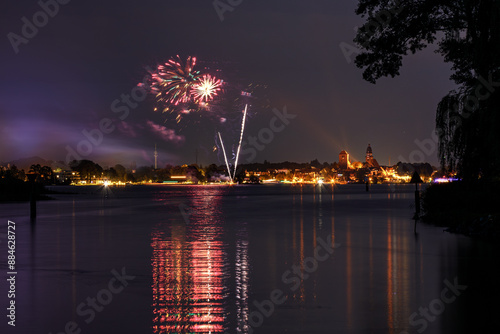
(14, 185)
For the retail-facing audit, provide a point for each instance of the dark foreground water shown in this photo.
(243, 259)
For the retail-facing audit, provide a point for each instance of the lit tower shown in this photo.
(370, 160)
(156, 158)
(369, 155)
(344, 160)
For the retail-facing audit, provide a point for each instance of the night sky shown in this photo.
(65, 79)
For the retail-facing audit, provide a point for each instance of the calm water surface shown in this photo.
(244, 259)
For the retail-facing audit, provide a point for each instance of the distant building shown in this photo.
(344, 160)
(284, 170)
(370, 160)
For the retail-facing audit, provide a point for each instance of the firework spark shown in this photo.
(179, 88)
(241, 138)
(174, 81)
(225, 157)
(206, 88)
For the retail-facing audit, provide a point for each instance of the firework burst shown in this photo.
(206, 88)
(174, 81)
(180, 89)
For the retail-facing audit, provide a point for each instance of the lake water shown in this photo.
(243, 259)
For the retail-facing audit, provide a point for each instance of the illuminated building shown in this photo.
(344, 160)
(370, 161)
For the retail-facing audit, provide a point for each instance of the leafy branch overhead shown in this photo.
(467, 35)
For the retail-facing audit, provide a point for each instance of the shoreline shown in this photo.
(470, 209)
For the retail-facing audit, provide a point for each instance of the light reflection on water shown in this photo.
(204, 274)
(201, 274)
(242, 283)
(192, 269)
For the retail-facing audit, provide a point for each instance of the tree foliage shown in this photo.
(44, 173)
(467, 35)
(87, 169)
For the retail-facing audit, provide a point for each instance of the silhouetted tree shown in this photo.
(44, 172)
(315, 163)
(162, 175)
(12, 173)
(87, 169)
(35, 168)
(111, 174)
(146, 173)
(467, 34)
(195, 175)
(121, 172)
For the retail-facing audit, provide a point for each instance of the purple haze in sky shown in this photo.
(64, 81)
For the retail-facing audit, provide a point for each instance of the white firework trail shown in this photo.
(225, 157)
(241, 138)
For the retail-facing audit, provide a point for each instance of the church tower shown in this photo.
(369, 155)
(370, 161)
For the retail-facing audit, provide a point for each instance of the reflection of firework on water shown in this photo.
(206, 88)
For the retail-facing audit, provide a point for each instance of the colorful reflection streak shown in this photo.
(191, 272)
(398, 269)
(242, 283)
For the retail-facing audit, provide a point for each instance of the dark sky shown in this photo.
(66, 77)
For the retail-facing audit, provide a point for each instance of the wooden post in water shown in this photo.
(417, 200)
(417, 207)
(32, 180)
(416, 179)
